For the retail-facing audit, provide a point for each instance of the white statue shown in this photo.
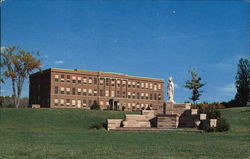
(170, 90)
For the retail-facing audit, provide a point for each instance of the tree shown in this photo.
(194, 85)
(17, 65)
(243, 82)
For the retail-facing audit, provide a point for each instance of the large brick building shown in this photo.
(63, 88)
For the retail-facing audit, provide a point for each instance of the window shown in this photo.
(101, 103)
(137, 106)
(90, 92)
(159, 96)
(90, 103)
(67, 102)
(124, 94)
(79, 79)
(101, 81)
(123, 83)
(118, 94)
(84, 103)
(151, 86)
(133, 95)
(118, 83)
(73, 91)
(142, 95)
(107, 93)
(56, 89)
(85, 80)
(62, 77)
(90, 80)
(85, 92)
(129, 94)
(95, 81)
(112, 93)
(129, 105)
(151, 96)
(78, 103)
(133, 105)
(73, 102)
(138, 95)
(159, 86)
(112, 82)
(138, 84)
(101, 92)
(95, 92)
(62, 90)
(142, 85)
(79, 90)
(74, 79)
(133, 84)
(146, 85)
(107, 82)
(155, 87)
(62, 102)
(142, 106)
(56, 78)
(56, 102)
(129, 84)
(67, 91)
(68, 78)
(146, 94)
(107, 103)
(155, 96)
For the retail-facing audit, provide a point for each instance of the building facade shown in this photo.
(62, 88)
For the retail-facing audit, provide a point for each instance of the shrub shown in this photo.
(222, 125)
(98, 126)
(95, 106)
(209, 129)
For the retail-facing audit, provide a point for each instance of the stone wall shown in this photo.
(167, 121)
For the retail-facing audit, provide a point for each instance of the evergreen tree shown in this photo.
(243, 82)
(194, 85)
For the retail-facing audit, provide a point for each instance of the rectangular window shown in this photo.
(159, 96)
(129, 105)
(123, 94)
(67, 102)
(129, 94)
(107, 103)
(155, 87)
(73, 102)
(90, 80)
(74, 79)
(56, 102)
(138, 95)
(62, 90)
(146, 94)
(151, 86)
(95, 81)
(62, 77)
(78, 103)
(79, 79)
(151, 96)
(155, 96)
(133, 95)
(146, 85)
(95, 92)
(118, 83)
(142, 95)
(107, 82)
(107, 93)
(159, 86)
(101, 92)
(90, 92)
(62, 102)
(101, 81)
(56, 89)
(142, 85)
(85, 92)
(112, 82)
(112, 93)
(68, 78)
(133, 84)
(56, 78)
(79, 90)
(129, 84)
(138, 84)
(84, 103)
(73, 91)
(67, 91)
(118, 94)
(85, 80)
(123, 83)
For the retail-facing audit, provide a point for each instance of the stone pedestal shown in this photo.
(169, 108)
(167, 121)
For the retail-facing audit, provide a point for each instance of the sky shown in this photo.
(158, 39)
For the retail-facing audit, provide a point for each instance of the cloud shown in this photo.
(59, 62)
(2, 48)
(228, 90)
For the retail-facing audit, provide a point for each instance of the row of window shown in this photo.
(87, 103)
(108, 82)
(119, 94)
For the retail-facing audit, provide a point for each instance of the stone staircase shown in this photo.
(180, 118)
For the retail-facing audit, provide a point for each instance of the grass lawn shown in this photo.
(65, 133)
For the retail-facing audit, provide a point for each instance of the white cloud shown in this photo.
(228, 90)
(59, 62)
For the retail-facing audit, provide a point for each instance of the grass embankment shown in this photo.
(65, 133)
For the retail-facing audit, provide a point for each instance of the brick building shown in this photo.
(63, 88)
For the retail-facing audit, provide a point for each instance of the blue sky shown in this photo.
(145, 38)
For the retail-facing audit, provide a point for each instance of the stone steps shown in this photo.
(159, 129)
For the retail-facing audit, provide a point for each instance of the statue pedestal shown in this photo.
(169, 108)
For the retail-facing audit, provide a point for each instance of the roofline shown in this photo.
(52, 68)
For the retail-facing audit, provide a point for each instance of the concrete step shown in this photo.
(135, 117)
(194, 130)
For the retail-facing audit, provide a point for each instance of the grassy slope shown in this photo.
(64, 133)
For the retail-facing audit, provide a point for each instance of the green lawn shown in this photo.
(65, 133)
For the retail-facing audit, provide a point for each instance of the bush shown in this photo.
(95, 106)
(98, 126)
(209, 129)
(222, 125)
